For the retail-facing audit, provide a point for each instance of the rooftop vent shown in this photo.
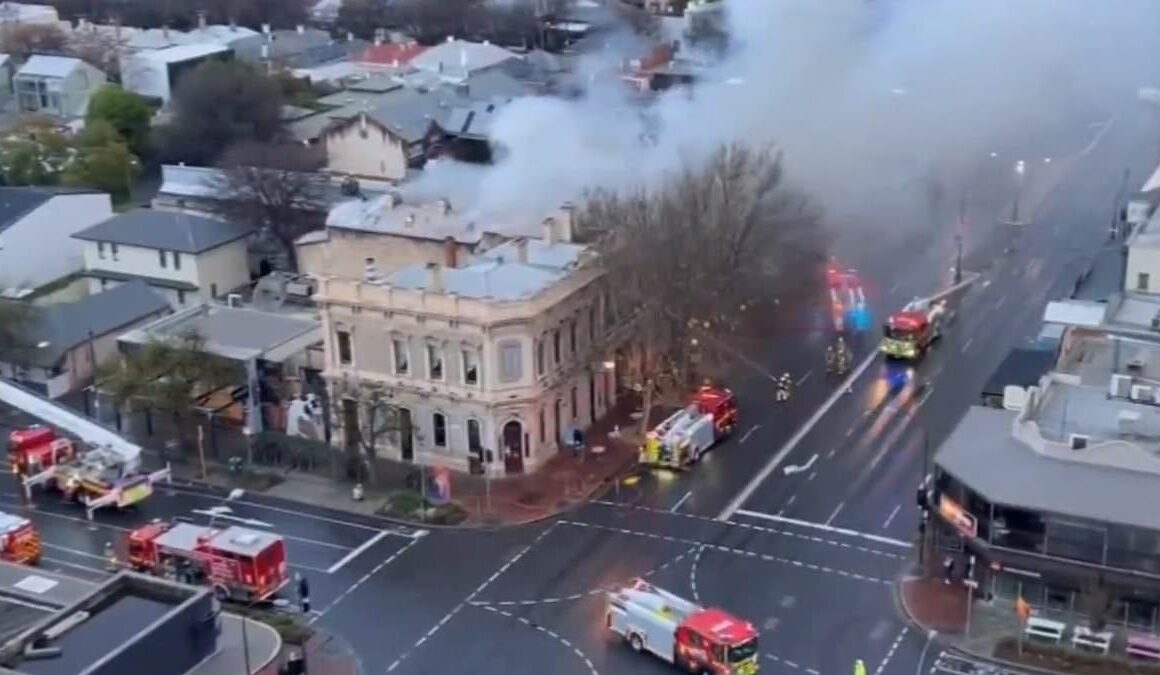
(1121, 386)
(371, 272)
(1078, 441)
(1141, 392)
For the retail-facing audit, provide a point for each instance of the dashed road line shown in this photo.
(893, 648)
(467, 601)
(681, 502)
(353, 587)
(766, 530)
(890, 518)
(835, 513)
(827, 528)
(693, 574)
(729, 549)
(803, 378)
(749, 433)
(549, 632)
(791, 664)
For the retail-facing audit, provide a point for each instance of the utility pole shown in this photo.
(958, 259)
(1116, 227)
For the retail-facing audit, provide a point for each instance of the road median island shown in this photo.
(1060, 659)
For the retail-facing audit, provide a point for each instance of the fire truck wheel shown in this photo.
(636, 642)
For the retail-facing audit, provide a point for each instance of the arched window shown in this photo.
(439, 430)
(474, 436)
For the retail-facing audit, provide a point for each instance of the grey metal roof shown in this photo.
(311, 47)
(460, 57)
(168, 230)
(40, 65)
(156, 282)
(17, 202)
(493, 280)
(235, 332)
(66, 326)
(982, 453)
(412, 114)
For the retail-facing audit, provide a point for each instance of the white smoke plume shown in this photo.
(867, 98)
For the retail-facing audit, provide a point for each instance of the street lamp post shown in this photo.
(1020, 170)
(958, 259)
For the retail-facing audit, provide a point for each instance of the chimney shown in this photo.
(201, 19)
(380, 36)
(362, 122)
(165, 32)
(409, 220)
(435, 284)
(265, 29)
(233, 25)
(301, 29)
(549, 226)
(349, 36)
(567, 222)
(450, 252)
(445, 206)
(265, 51)
(117, 28)
(394, 199)
(451, 38)
(522, 250)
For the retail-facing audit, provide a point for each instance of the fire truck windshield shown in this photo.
(743, 651)
(902, 333)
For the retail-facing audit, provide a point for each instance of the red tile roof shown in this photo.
(390, 53)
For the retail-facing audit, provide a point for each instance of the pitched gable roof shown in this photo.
(168, 230)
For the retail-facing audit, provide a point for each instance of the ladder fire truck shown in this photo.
(693, 638)
(911, 331)
(239, 563)
(97, 477)
(681, 439)
(19, 540)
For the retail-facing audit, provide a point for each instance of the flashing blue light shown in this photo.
(899, 376)
(860, 318)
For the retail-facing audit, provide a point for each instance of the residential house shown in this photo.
(154, 73)
(385, 233)
(386, 142)
(460, 58)
(1142, 267)
(389, 55)
(36, 229)
(56, 85)
(299, 48)
(66, 340)
(485, 365)
(187, 258)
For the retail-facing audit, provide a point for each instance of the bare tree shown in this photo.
(22, 40)
(377, 420)
(707, 261)
(276, 187)
(15, 318)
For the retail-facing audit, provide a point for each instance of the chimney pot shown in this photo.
(266, 29)
(549, 226)
(445, 206)
(301, 29)
(349, 36)
(522, 250)
(435, 272)
(201, 19)
(450, 252)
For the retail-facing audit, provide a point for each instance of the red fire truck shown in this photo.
(910, 332)
(34, 449)
(694, 638)
(240, 563)
(681, 439)
(19, 540)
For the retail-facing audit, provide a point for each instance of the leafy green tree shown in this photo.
(216, 106)
(103, 161)
(126, 112)
(35, 152)
(14, 319)
(166, 377)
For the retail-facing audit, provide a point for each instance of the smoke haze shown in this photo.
(871, 101)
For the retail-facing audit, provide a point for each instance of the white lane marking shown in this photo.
(835, 513)
(73, 551)
(550, 633)
(735, 551)
(925, 395)
(813, 474)
(803, 378)
(681, 501)
(966, 345)
(791, 500)
(91, 525)
(255, 523)
(353, 587)
(693, 574)
(356, 552)
(792, 469)
(1099, 135)
(824, 528)
(749, 433)
(217, 513)
(890, 653)
(890, 518)
(57, 561)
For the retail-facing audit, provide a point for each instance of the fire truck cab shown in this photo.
(37, 448)
(240, 563)
(19, 540)
(694, 638)
(910, 332)
(685, 436)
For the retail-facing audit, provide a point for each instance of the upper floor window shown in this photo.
(163, 258)
(439, 430)
(556, 347)
(345, 349)
(539, 358)
(434, 361)
(572, 337)
(511, 361)
(401, 355)
(470, 366)
(592, 324)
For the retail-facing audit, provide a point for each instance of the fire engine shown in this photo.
(910, 332)
(98, 477)
(19, 540)
(847, 298)
(239, 563)
(681, 439)
(693, 638)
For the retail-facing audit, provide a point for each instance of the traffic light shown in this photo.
(921, 498)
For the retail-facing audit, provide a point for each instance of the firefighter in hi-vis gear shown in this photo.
(784, 383)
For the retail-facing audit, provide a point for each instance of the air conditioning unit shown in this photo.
(1141, 392)
(301, 287)
(1121, 386)
(1078, 441)
(234, 300)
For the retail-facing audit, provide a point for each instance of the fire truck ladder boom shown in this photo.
(39, 479)
(114, 495)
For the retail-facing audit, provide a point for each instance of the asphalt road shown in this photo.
(811, 555)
